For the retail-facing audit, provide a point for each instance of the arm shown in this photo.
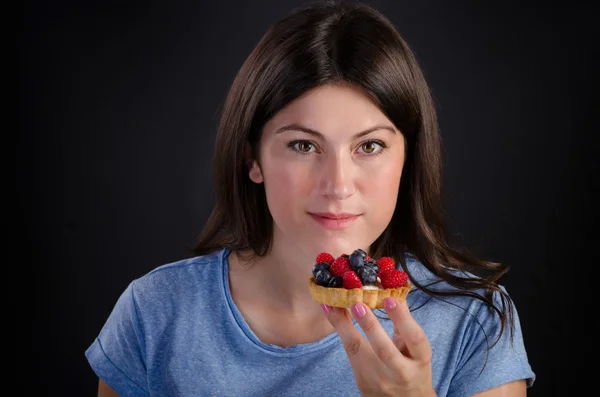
(117, 355)
(512, 389)
(480, 367)
(105, 391)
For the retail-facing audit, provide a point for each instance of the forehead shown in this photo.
(330, 108)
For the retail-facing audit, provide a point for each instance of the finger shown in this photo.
(409, 331)
(381, 343)
(399, 343)
(355, 345)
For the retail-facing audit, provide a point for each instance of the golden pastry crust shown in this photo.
(342, 297)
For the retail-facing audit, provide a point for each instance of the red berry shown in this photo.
(325, 257)
(394, 279)
(351, 280)
(340, 266)
(386, 263)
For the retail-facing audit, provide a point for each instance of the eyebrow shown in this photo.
(298, 127)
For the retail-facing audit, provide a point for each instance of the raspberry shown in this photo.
(340, 266)
(351, 280)
(392, 279)
(386, 263)
(325, 257)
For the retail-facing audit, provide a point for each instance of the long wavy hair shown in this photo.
(328, 43)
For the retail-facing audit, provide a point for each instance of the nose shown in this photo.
(337, 177)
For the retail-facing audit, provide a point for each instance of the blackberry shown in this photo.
(323, 277)
(336, 282)
(372, 264)
(361, 253)
(367, 275)
(319, 266)
(356, 260)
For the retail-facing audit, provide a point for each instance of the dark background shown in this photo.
(119, 103)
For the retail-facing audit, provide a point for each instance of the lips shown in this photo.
(337, 221)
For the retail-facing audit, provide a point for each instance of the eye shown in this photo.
(303, 147)
(372, 147)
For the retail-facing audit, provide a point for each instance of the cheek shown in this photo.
(381, 190)
(286, 182)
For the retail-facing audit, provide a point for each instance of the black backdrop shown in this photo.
(119, 103)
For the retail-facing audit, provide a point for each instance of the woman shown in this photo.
(328, 143)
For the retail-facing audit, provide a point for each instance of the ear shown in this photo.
(254, 172)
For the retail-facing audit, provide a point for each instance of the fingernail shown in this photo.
(389, 303)
(327, 309)
(358, 310)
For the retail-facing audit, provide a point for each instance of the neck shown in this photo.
(279, 279)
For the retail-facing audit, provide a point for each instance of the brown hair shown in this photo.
(329, 43)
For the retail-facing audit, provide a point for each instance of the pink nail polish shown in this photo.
(327, 309)
(358, 310)
(389, 303)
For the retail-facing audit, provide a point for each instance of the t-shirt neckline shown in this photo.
(294, 350)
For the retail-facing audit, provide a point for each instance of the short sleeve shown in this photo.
(117, 356)
(480, 369)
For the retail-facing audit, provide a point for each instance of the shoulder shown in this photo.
(477, 338)
(182, 269)
(469, 317)
(171, 281)
(446, 301)
(426, 278)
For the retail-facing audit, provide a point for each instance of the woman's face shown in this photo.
(331, 163)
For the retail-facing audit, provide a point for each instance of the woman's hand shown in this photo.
(384, 366)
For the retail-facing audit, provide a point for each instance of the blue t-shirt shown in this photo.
(176, 331)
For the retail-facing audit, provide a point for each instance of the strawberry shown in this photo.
(325, 257)
(392, 279)
(351, 280)
(386, 263)
(340, 266)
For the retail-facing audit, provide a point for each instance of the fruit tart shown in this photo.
(349, 279)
